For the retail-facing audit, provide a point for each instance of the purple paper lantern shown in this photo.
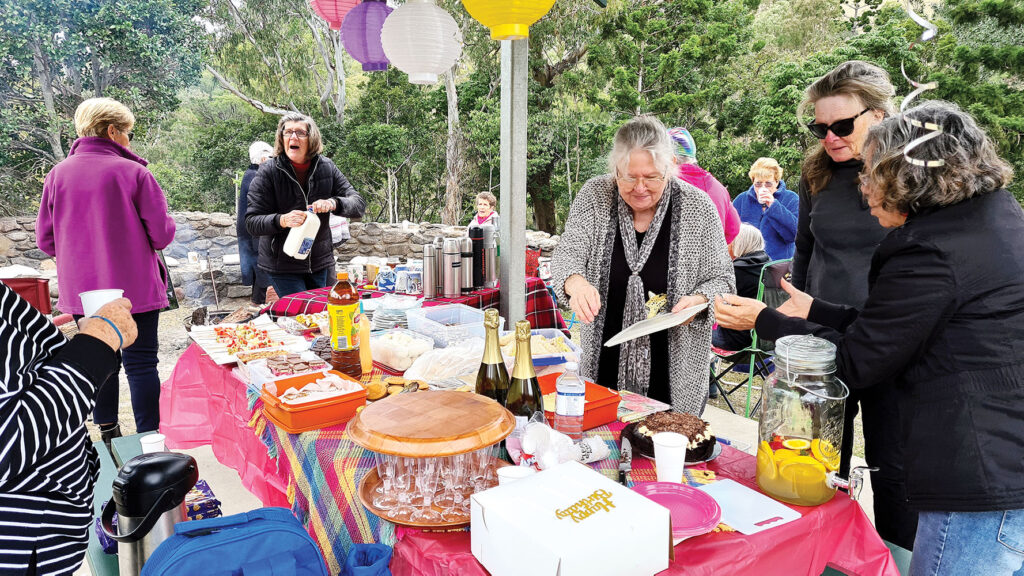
(360, 34)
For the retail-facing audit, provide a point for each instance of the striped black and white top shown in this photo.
(48, 467)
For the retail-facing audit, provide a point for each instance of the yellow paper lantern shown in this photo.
(508, 19)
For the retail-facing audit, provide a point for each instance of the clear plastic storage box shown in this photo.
(449, 323)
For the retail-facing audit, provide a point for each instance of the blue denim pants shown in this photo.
(969, 544)
(285, 284)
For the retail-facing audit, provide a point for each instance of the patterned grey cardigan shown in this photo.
(698, 264)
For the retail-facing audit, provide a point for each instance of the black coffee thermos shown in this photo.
(476, 234)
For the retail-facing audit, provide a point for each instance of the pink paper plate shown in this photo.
(693, 512)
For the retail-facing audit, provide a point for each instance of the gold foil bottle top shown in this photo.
(491, 318)
(523, 330)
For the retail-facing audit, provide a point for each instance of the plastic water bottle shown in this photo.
(570, 397)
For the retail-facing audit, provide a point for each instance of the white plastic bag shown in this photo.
(456, 360)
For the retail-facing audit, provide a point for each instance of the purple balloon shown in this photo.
(360, 34)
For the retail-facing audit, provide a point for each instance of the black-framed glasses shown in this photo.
(840, 128)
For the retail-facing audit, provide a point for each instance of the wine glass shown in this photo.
(384, 498)
(405, 471)
(426, 485)
(454, 479)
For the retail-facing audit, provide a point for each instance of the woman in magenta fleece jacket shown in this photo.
(103, 217)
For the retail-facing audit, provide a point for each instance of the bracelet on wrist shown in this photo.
(120, 339)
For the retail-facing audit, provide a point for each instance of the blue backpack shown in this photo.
(264, 542)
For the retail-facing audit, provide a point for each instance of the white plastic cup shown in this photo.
(152, 443)
(510, 474)
(93, 300)
(670, 456)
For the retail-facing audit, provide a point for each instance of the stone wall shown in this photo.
(213, 236)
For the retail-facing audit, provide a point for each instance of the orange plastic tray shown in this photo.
(602, 405)
(295, 418)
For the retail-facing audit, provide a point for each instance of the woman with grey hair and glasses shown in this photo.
(942, 327)
(297, 179)
(632, 234)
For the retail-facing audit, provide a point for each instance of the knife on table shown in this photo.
(625, 461)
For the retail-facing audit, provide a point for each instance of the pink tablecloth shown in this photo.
(202, 403)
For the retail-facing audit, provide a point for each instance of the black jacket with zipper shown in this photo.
(275, 191)
(944, 324)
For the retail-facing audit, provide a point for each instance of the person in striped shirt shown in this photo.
(48, 466)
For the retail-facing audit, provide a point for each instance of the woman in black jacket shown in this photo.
(298, 179)
(943, 326)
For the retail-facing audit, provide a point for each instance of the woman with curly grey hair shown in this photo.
(943, 326)
(635, 232)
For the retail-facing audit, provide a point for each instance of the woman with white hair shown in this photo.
(634, 232)
(248, 246)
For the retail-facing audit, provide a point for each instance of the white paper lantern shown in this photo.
(422, 40)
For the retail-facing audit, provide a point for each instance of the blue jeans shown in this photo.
(969, 544)
(139, 360)
(285, 284)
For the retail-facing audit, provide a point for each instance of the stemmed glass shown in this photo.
(384, 498)
(426, 485)
(453, 472)
(405, 471)
(480, 473)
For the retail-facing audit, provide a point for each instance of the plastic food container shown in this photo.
(552, 359)
(602, 404)
(259, 374)
(449, 323)
(295, 418)
(397, 348)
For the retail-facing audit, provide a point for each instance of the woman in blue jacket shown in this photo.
(770, 207)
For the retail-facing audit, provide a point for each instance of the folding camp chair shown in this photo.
(755, 359)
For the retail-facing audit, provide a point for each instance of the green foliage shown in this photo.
(55, 53)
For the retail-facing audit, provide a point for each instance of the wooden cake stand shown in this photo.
(427, 424)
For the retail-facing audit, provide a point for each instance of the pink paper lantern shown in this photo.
(333, 11)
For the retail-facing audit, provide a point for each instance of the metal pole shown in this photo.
(512, 231)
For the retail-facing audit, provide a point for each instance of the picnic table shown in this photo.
(317, 474)
(541, 310)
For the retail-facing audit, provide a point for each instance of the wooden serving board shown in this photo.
(431, 423)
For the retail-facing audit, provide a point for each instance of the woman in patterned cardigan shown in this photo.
(673, 245)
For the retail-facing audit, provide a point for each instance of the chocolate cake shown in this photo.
(702, 441)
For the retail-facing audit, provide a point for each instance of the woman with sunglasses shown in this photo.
(943, 329)
(297, 179)
(836, 237)
(631, 233)
(103, 216)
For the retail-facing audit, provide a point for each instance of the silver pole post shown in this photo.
(512, 231)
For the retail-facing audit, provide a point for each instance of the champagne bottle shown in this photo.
(524, 397)
(492, 378)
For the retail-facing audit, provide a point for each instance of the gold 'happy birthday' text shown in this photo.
(599, 500)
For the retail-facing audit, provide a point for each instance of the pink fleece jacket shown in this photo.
(701, 178)
(103, 216)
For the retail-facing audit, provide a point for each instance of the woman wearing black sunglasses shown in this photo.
(836, 236)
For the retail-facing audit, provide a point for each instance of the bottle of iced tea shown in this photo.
(343, 311)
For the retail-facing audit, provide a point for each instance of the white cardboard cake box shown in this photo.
(569, 521)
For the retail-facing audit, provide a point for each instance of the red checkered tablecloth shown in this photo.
(540, 307)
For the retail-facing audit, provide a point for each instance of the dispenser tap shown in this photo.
(854, 484)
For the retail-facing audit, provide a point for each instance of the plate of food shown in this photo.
(703, 445)
(548, 347)
(224, 341)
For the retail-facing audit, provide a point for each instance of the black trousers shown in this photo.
(883, 449)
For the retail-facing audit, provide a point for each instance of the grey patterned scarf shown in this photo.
(635, 355)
